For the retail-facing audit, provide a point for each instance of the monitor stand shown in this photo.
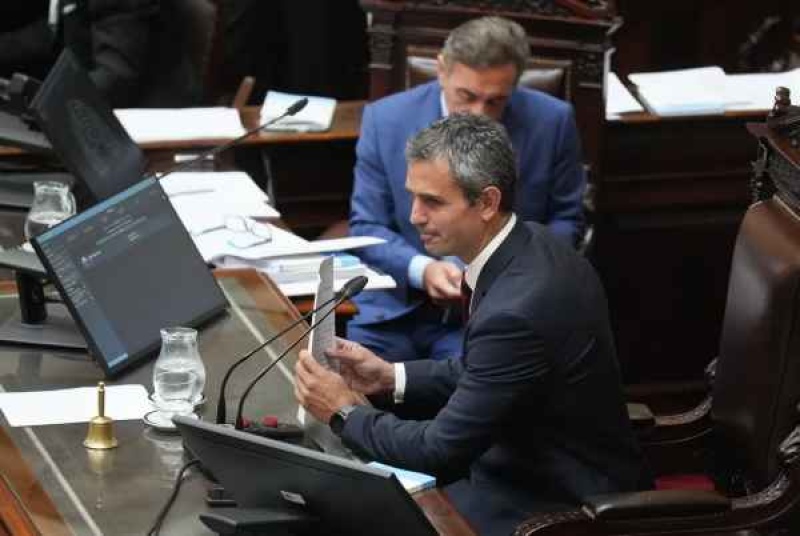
(36, 323)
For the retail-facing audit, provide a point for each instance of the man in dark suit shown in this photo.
(531, 418)
(478, 68)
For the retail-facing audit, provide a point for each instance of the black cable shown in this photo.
(156, 528)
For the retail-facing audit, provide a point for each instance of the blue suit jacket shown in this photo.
(532, 417)
(545, 139)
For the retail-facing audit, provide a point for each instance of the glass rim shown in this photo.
(51, 184)
(176, 331)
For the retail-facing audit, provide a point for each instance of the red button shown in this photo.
(270, 421)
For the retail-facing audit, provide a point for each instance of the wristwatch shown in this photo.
(339, 418)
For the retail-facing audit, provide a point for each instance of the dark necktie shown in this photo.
(466, 298)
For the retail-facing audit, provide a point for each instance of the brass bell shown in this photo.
(101, 428)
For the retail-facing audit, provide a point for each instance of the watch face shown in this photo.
(337, 423)
(338, 419)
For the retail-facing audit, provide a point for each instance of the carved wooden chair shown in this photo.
(745, 436)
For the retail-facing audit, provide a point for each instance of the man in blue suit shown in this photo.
(478, 70)
(532, 417)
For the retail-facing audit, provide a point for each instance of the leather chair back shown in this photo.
(549, 75)
(757, 379)
(184, 54)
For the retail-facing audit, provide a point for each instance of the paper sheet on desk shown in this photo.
(62, 406)
(217, 244)
(756, 91)
(147, 125)
(618, 99)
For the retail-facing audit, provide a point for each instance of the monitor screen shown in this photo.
(125, 269)
(346, 496)
(84, 132)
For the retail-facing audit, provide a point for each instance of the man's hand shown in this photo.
(361, 369)
(321, 391)
(442, 281)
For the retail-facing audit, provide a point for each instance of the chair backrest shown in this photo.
(552, 76)
(757, 380)
(184, 55)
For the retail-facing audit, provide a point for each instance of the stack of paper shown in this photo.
(315, 117)
(709, 90)
(700, 91)
(147, 125)
(295, 256)
(305, 267)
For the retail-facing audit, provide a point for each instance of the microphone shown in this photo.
(348, 290)
(291, 110)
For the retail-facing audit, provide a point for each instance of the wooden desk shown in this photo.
(68, 489)
(669, 199)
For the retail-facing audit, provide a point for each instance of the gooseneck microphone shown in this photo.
(349, 290)
(295, 107)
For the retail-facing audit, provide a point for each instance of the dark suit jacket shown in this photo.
(532, 417)
(551, 181)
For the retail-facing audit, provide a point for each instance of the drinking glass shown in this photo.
(52, 204)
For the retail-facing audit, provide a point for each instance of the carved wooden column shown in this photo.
(575, 31)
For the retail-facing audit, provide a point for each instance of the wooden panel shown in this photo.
(669, 204)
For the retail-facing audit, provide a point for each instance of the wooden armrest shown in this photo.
(13, 515)
(649, 504)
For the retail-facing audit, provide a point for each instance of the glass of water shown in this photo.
(173, 392)
(52, 204)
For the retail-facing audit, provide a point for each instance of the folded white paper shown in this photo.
(315, 117)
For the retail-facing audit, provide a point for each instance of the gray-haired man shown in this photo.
(478, 68)
(531, 418)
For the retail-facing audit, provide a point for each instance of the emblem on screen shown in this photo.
(98, 143)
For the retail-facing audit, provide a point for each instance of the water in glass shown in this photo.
(179, 354)
(174, 390)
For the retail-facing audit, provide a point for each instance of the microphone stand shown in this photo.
(188, 164)
(221, 406)
(348, 290)
(238, 423)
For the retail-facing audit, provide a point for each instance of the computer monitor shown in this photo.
(126, 268)
(346, 496)
(84, 132)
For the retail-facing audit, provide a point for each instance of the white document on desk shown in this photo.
(150, 125)
(618, 99)
(696, 91)
(307, 287)
(63, 406)
(204, 199)
(217, 244)
(316, 116)
(756, 91)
